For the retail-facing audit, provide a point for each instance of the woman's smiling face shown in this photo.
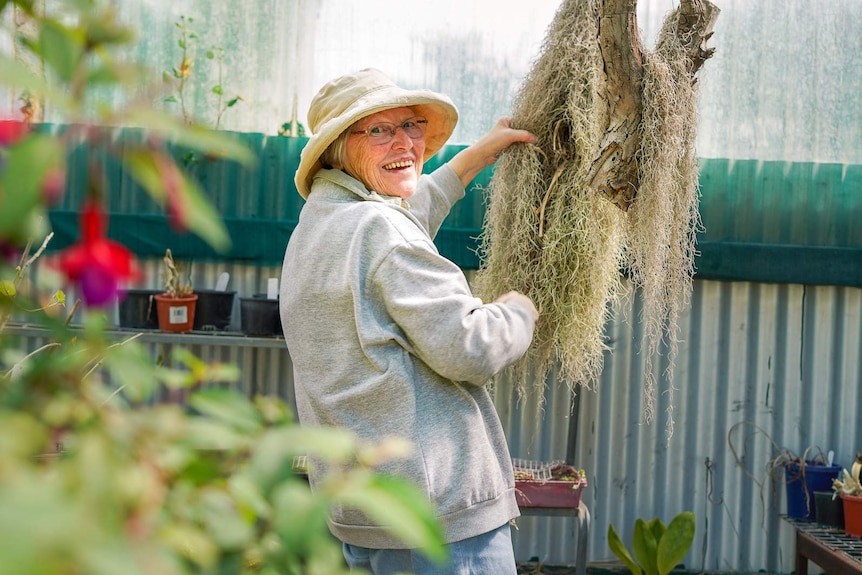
(390, 168)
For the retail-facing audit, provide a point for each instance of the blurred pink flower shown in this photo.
(53, 186)
(9, 253)
(11, 131)
(175, 206)
(98, 265)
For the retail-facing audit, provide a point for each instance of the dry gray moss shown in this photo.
(553, 238)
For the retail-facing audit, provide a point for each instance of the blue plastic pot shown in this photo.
(816, 477)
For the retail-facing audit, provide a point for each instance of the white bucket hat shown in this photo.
(349, 98)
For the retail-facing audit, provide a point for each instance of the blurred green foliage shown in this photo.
(98, 474)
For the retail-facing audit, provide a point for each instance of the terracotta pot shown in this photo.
(176, 313)
(852, 515)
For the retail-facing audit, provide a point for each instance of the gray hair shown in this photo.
(335, 154)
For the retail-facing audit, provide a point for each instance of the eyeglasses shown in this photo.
(383, 132)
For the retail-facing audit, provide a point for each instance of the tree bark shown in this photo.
(614, 170)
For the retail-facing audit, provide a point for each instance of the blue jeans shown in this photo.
(487, 554)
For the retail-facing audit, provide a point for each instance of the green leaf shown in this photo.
(233, 102)
(644, 547)
(25, 5)
(657, 527)
(675, 543)
(222, 520)
(101, 30)
(228, 406)
(300, 517)
(132, 369)
(172, 129)
(217, 90)
(398, 506)
(250, 500)
(202, 218)
(618, 548)
(21, 179)
(176, 378)
(33, 504)
(61, 48)
(110, 557)
(208, 434)
(223, 373)
(7, 288)
(21, 435)
(190, 542)
(102, 76)
(275, 450)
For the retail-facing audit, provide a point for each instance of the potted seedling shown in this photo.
(215, 306)
(551, 485)
(259, 314)
(849, 489)
(176, 305)
(803, 474)
(137, 309)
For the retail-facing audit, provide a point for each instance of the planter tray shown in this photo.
(549, 494)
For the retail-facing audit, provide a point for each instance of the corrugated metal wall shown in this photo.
(781, 358)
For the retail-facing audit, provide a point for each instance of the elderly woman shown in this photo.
(384, 333)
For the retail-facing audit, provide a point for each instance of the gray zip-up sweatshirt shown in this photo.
(387, 339)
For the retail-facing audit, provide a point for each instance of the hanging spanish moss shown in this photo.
(551, 231)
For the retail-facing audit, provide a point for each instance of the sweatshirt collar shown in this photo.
(351, 184)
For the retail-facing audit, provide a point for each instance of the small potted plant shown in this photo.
(176, 305)
(801, 474)
(551, 484)
(259, 314)
(850, 491)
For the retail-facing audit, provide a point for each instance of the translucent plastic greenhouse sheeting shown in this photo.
(783, 84)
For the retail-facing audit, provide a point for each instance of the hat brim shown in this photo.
(441, 113)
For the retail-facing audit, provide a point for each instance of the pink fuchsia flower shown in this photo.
(11, 131)
(172, 179)
(9, 253)
(53, 186)
(98, 265)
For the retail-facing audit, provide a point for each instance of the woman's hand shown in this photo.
(521, 299)
(473, 159)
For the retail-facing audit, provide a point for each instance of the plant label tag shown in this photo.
(178, 314)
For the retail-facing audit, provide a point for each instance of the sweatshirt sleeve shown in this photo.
(453, 332)
(435, 195)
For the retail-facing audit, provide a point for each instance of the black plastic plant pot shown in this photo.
(137, 309)
(214, 310)
(259, 316)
